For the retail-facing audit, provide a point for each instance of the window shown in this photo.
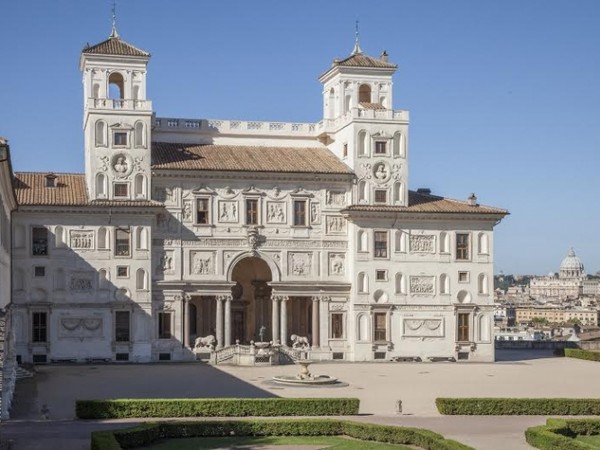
(103, 239)
(362, 244)
(380, 148)
(444, 242)
(251, 211)
(380, 196)
(39, 241)
(444, 284)
(141, 280)
(120, 138)
(100, 134)
(337, 326)
(300, 212)
(345, 152)
(363, 283)
(122, 271)
(139, 134)
(364, 93)
(462, 246)
(122, 327)
(380, 327)
(400, 283)
(39, 271)
(121, 190)
(202, 211)
(381, 244)
(381, 275)
(463, 277)
(39, 327)
(122, 240)
(164, 325)
(463, 327)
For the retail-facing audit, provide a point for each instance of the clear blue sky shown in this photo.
(504, 95)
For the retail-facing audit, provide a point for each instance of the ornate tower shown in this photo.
(363, 130)
(116, 120)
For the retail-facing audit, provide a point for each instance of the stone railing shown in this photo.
(234, 126)
(116, 103)
(292, 354)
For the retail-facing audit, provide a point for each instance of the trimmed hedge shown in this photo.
(150, 432)
(519, 406)
(559, 434)
(582, 354)
(215, 407)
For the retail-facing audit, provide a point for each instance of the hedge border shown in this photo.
(148, 433)
(582, 354)
(519, 406)
(215, 407)
(559, 434)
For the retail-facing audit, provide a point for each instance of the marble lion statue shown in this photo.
(205, 342)
(299, 342)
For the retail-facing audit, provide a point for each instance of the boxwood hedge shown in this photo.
(582, 354)
(559, 434)
(215, 407)
(519, 406)
(150, 432)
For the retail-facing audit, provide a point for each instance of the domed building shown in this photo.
(567, 285)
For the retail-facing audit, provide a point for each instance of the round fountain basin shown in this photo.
(312, 381)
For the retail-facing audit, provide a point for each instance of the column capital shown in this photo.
(184, 296)
(323, 298)
(279, 298)
(224, 298)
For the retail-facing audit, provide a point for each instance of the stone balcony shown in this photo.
(119, 104)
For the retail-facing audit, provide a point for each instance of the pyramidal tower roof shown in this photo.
(114, 45)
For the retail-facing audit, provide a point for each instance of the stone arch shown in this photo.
(275, 270)
(364, 93)
(116, 86)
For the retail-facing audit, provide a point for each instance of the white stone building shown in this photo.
(182, 228)
(567, 285)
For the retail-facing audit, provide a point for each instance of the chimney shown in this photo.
(424, 191)
(472, 200)
(384, 56)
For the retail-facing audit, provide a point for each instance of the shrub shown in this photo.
(519, 406)
(582, 354)
(148, 433)
(560, 434)
(209, 407)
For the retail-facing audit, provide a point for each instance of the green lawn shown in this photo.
(329, 442)
(592, 440)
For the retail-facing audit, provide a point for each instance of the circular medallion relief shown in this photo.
(121, 165)
(381, 172)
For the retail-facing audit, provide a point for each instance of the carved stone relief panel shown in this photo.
(186, 211)
(413, 327)
(337, 264)
(165, 263)
(81, 240)
(82, 282)
(335, 225)
(421, 284)
(228, 211)
(202, 263)
(276, 212)
(80, 327)
(121, 165)
(336, 198)
(422, 243)
(315, 213)
(381, 172)
(300, 264)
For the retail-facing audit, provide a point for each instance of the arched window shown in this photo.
(483, 244)
(140, 186)
(363, 245)
(363, 194)
(363, 283)
(59, 279)
(141, 280)
(400, 283)
(347, 101)
(116, 86)
(444, 284)
(482, 284)
(103, 278)
(484, 328)
(331, 103)
(363, 144)
(59, 236)
(362, 328)
(100, 133)
(103, 239)
(141, 238)
(444, 242)
(398, 193)
(139, 137)
(398, 146)
(400, 241)
(101, 186)
(96, 91)
(364, 93)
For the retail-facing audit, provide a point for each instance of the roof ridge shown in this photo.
(48, 173)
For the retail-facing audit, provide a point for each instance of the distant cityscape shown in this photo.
(559, 306)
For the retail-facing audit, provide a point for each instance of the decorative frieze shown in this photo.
(80, 327)
(276, 212)
(336, 198)
(271, 243)
(300, 264)
(336, 225)
(81, 240)
(414, 327)
(202, 263)
(228, 211)
(82, 282)
(422, 243)
(421, 284)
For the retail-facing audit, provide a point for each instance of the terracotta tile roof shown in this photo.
(362, 60)
(372, 105)
(427, 203)
(245, 158)
(30, 189)
(114, 46)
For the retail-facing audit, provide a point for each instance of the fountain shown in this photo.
(305, 378)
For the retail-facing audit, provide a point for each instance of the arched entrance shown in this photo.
(251, 305)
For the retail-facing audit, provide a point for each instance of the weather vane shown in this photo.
(114, 33)
(357, 49)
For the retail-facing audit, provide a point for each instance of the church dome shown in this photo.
(571, 266)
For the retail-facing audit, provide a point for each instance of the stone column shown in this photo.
(219, 300)
(275, 318)
(284, 336)
(315, 323)
(227, 320)
(186, 320)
